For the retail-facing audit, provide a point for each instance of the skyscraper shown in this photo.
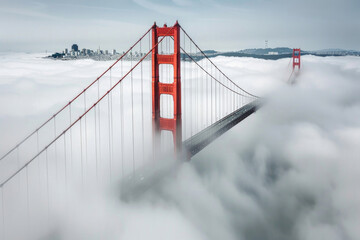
(75, 47)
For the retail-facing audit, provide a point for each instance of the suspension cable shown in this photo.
(202, 52)
(213, 76)
(90, 108)
(251, 95)
(76, 97)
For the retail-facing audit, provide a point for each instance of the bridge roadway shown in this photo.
(202, 139)
(135, 185)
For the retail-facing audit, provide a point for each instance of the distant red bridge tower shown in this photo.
(296, 57)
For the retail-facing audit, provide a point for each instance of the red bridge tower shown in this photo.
(296, 57)
(173, 89)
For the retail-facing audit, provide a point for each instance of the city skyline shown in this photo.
(76, 52)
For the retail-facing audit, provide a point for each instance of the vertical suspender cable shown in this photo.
(227, 102)
(150, 96)
(221, 108)
(167, 69)
(109, 127)
(161, 78)
(150, 77)
(201, 94)
(221, 95)
(56, 167)
(184, 87)
(237, 101)
(242, 101)
(99, 120)
(38, 149)
(109, 135)
(81, 155)
(96, 144)
(142, 107)
(18, 163)
(111, 120)
(234, 97)
(47, 181)
(230, 97)
(3, 211)
(226, 98)
(65, 166)
(132, 115)
(227, 93)
(216, 98)
(211, 97)
(191, 94)
(27, 198)
(223, 99)
(206, 94)
(71, 141)
(85, 122)
(213, 102)
(122, 121)
(198, 99)
(196, 96)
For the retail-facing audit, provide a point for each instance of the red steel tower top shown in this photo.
(296, 57)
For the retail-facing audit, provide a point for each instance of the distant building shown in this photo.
(75, 47)
(273, 53)
(66, 51)
(106, 52)
(114, 52)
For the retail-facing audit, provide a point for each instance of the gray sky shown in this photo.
(221, 25)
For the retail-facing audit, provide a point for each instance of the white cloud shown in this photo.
(290, 171)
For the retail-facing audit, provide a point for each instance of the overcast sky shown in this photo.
(41, 25)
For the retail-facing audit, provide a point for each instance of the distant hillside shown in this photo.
(336, 51)
(265, 51)
(277, 53)
(210, 52)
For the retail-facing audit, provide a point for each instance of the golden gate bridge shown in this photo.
(169, 104)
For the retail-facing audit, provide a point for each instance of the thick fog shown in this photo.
(289, 171)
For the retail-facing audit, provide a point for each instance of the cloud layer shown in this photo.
(290, 171)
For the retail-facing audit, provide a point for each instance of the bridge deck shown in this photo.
(147, 177)
(200, 140)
